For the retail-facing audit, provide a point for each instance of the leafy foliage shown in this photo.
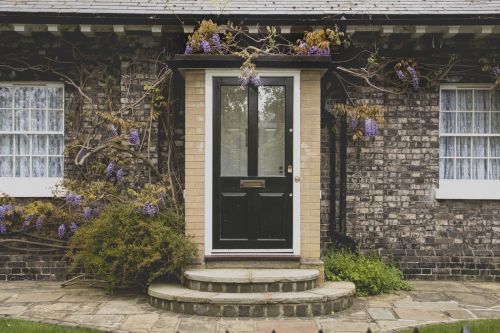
(370, 274)
(126, 248)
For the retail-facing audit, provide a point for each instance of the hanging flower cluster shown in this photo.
(5, 211)
(363, 118)
(406, 72)
(134, 138)
(73, 199)
(206, 40)
(319, 42)
(249, 76)
(112, 169)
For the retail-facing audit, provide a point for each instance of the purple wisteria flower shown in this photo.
(414, 78)
(120, 175)
(39, 223)
(302, 49)
(205, 46)
(400, 74)
(5, 209)
(26, 222)
(134, 138)
(114, 129)
(73, 227)
(189, 49)
(255, 80)
(216, 41)
(73, 199)
(496, 71)
(411, 70)
(61, 231)
(150, 209)
(87, 213)
(110, 169)
(3, 228)
(370, 127)
(354, 123)
(244, 81)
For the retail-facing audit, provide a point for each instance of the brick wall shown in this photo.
(16, 266)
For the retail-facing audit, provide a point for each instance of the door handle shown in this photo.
(289, 169)
(297, 179)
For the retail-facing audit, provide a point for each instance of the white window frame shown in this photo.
(465, 189)
(209, 75)
(33, 187)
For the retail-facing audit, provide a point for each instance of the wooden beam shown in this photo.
(453, 30)
(156, 30)
(54, 29)
(253, 29)
(285, 29)
(484, 31)
(119, 29)
(87, 30)
(188, 29)
(387, 30)
(419, 31)
(22, 29)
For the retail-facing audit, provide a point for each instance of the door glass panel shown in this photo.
(271, 156)
(234, 129)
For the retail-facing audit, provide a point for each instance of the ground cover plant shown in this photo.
(476, 326)
(23, 326)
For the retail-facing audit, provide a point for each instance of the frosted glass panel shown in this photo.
(448, 100)
(56, 121)
(482, 99)
(22, 144)
(446, 169)
(38, 122)
(234, 128)
(38, 98)
(463, 146)
(6, 120)
(495, 147)
(464, 100)
(5, 97)
(39, 167)
(463, 168)
(494, 169)
(481, 122)
(495, 122)
(21, 120)
(23, 166)
(39, 145)
(480, 168)
(495, 106)
(56, 144)
(6, 144)
(464, 122)
(447, 146)
(55, 98)
(271, 125)
(22, 98)
(479, 147)
(55, 166)
(448, 122)
(5, 166)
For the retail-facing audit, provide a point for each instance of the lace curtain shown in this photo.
(470, 134)
(31, 131)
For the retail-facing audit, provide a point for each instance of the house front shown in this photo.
(269, 176)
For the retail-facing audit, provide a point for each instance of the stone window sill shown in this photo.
(468, 190)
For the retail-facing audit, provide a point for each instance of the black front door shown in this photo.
(252, 179)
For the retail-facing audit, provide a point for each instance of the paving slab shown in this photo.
(427, 305)
(460, 314)
(140, 322)
(483, 300)
(34, 297)
(108, 321)
(285, 326)
(486, 314)
(12, 309)
(238, 275)
(420, 314)
(187, 325)
(381, 313)
(348, 327)
(122, 307)
(427, 296)
(236, 326)
(167, 322)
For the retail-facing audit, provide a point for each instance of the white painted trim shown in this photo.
(468, 189)
(30, 187)
(209, 75)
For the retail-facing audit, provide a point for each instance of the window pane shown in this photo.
(448, 122)
(6, 145)
(446, 170)
(38, 98)
(5, 97)
(482, 100)
(481, 122)
(447, 146)
(56, 121)
(480, 169)
(271, 157)
(39, 167)
(23, 144)
(495, 147)
(22, 98)
(479, 147)
(464, 122)
(495, 122)
(496, 100)
(463, 146)
(38, 120)
(55, 98)
(464, 100)
(56, 144)
(55, 166)
(234, 127)
(23, 166)
(39, 144)
(6, 120)
(495, 169)
(21, 120)
(463, 168)
(448, 100)
(6, 166)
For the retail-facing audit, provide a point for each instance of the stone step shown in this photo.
(331, 297)
(251, 280)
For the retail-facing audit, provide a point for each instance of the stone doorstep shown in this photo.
(177, 293)
(251, 275)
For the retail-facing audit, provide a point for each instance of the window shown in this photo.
(469, 156)
(31, 138)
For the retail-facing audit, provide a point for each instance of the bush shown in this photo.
(370, 274)
(124, 247)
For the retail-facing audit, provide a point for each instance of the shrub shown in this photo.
(370, 274)
(125, 247)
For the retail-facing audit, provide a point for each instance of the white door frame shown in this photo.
(209, 75)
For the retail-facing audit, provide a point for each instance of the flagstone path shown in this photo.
(79, 306)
